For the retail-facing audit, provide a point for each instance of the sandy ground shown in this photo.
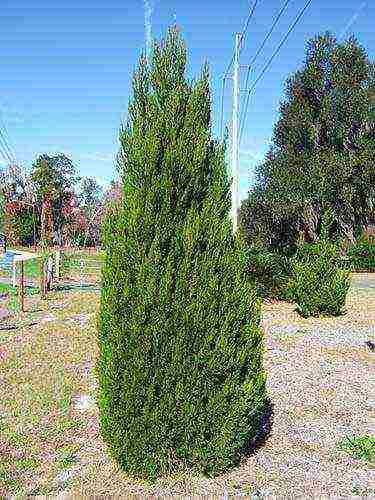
(321, 388)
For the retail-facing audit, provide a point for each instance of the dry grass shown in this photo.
(319, 395)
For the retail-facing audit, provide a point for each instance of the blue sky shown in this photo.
(66, 67)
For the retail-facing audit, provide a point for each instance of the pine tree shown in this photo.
(181, 380)
(323, 152)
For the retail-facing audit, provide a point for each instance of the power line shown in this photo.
(263, 43)
(231, 62)
(7, 138)
(5, 147)
(7, 158)
(242, 35)
(222, 109)
(247, 25)
(269, 62)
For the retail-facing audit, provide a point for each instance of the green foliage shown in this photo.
(54, 178)
(19, 222)
(360, 447)
(270, 271)
(4, 288)
(319, 285)
(11, 291)
(53, 175)
(44, 206)
(24, 220)
(268, 220)
(323, 151)
(78, 237)
(362, 254)
(181, 381)
(91, 192)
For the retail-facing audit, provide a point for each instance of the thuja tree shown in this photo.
(181, 381)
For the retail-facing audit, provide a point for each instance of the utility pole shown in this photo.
(235, 132)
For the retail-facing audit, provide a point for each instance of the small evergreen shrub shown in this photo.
(271, 273)
(362, 254)
(319, 285)
(180, 375)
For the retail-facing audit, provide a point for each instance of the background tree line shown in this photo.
(322, 156)
(52, 205)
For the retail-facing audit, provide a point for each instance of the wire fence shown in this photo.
(77, 268)
(85, 271)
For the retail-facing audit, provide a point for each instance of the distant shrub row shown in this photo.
(316, 278)
(362, 254)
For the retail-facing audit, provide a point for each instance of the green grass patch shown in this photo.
(10, 482)
(36, 414)
(15, 438)
(361, 447)
(67, 424)
(41, 400)
(4, 288)
(58, 428)
(66, 459)
(27, 464)
(32, 269)
(13, 302)
(64, 403)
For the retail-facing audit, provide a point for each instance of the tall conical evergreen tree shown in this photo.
(181, 380)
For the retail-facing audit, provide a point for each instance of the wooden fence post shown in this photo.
(49, 273)
(22, 287)
(42, 280)
(81, 272)
(57, 263)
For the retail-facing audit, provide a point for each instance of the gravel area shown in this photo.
(320, 376)
(321, 386)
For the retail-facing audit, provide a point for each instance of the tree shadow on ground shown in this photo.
(76, 287)
(265, 428)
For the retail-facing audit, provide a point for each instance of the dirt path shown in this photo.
(363, 280)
